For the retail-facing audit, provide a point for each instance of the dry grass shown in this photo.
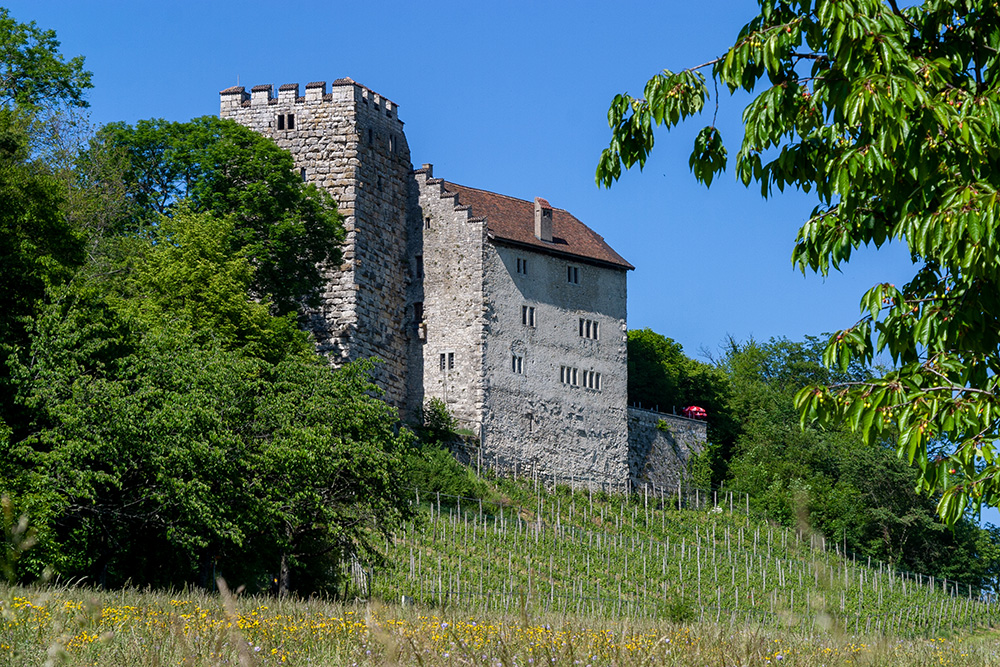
(75, 626)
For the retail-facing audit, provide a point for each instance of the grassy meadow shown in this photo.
(75, 626)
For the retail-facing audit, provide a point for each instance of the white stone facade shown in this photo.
(511, 312)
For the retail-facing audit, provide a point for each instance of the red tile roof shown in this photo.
(513, 220)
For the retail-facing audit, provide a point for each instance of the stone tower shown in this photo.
(350, 142)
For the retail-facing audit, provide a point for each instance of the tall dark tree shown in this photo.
(38, 246)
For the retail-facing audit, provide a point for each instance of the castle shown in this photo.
(512, 312)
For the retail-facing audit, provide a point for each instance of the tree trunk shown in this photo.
(284, 576)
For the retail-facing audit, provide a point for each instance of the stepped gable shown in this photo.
(513, 220)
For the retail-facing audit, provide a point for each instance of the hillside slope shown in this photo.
(651, 556)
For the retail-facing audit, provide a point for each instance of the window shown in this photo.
(592, 380)
(291, 121)
(418, 311)
(517, 364)
(302, 173)
(573, 275)
(447, 361)
(427, 222)
(589, 329)
(281, 120)
(286, 121)
(569, 375)
(392, 143)
(528, 316)
(419, 261)
(522, 266)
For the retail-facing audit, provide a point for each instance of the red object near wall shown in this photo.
(694, 412)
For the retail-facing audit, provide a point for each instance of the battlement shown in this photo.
(341, 90)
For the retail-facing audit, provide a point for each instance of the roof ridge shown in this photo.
(500, 194)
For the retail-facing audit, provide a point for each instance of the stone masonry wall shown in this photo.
(350, 142)
(448, 344)
(660, 446)
(533, 418)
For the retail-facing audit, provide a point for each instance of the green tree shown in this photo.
(892, 117)
(288, 230)
(828, 480)
(39, 246)
(163, 446)
(656, 365)
(32, 71)
(195, 273)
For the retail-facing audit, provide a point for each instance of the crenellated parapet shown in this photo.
(340, 91)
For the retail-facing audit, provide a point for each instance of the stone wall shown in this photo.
(448, 343)
(534, 416)
(660, 446)
(350, 142)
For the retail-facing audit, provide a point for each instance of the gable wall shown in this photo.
(533, 418)
(451, 291)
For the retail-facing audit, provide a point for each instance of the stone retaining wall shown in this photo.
(660, 446)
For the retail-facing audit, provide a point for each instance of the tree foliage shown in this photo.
(892, 117)
(32, 71)
(38, 247)
(158, 459)
(287, 230)
(829, 480)
(176, 428)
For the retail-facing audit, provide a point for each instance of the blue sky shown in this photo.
(510, 97)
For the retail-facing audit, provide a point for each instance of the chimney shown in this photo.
(543, 220)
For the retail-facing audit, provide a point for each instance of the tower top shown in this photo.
(345, 89)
